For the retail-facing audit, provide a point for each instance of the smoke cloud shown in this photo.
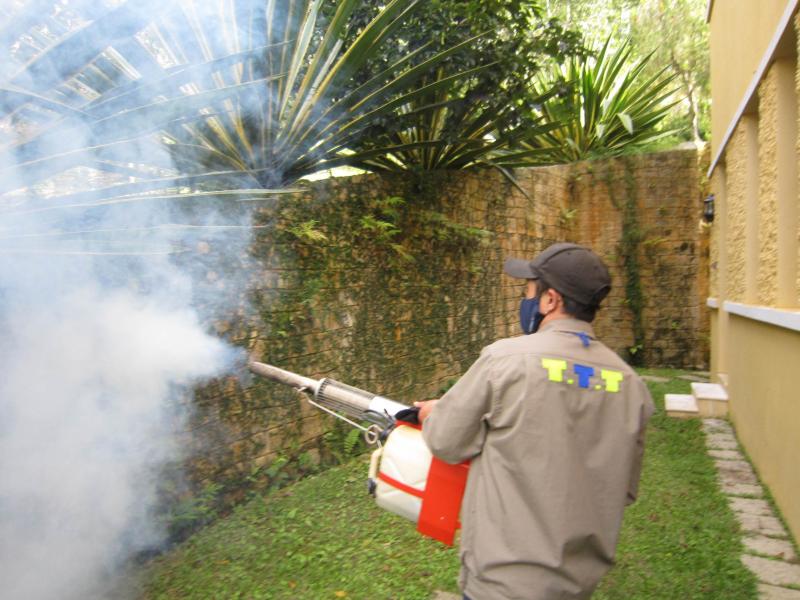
(105, 306)
(89, 401)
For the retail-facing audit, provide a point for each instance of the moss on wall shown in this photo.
(624, 198)
(640, 214)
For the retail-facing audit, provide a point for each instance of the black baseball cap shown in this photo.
(574, 271)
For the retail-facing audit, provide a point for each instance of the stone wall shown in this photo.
(394, 284)
(642, 215)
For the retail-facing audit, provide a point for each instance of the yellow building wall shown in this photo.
(740, 35)
(797, 87)
(765, 406)
(768, 191)
(737, 171)
(714, 344)
(750, 255)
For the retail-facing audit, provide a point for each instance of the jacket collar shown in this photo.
(569, 325)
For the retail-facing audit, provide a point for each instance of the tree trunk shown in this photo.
(694, 109)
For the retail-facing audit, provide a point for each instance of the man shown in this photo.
(554, 426)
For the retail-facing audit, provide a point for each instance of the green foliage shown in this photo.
(382, 230)
(674, 31)
(276, 472)
(344, 442)
(245, 97)
(325, 538)
(456, 123)
(682, 33)
(567, 216)
(607, 106)
(307, 232)
(520, 34)
(380, 285)
(351, 440)
(444, 129)
(193, 511)
(309, 115)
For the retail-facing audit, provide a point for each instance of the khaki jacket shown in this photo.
(554, 425)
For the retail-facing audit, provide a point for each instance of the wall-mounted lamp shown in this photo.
(708, 209)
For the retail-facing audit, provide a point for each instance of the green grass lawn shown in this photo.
(323, 538)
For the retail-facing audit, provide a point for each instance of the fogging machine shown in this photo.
(404, 477)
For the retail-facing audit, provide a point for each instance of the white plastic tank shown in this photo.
(405, 460)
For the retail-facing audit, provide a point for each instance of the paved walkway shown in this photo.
(768, 550)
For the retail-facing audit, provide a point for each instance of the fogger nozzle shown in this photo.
(305, 384)
(333, 395)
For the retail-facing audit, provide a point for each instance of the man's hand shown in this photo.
(425, 409)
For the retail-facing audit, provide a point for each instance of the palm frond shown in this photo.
(178, 99)
(606, 107)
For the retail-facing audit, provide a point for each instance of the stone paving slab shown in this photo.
(439, 595)
(771, 592)
(682, 406)
(723, 446)
(696, 378)
(717, 426)
(770, 547)
(755, 515)
(761, 525)
(726, 454)
(742, 489)
(741, 466)
(722, 441)
(709, 391)
(734, 475)
(655, 379)
(752, 506)
(774, 572)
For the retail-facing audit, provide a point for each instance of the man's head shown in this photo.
(569, 279)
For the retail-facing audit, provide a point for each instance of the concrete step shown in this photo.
(712, 399)
(681, 406)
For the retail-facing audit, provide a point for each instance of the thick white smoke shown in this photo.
(98, 355)
(102, 338)
(89, 400)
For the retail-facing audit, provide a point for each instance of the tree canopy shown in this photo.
(676, 34)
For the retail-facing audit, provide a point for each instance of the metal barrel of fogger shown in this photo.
(334, 395)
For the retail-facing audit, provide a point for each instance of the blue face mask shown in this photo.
(529, 316)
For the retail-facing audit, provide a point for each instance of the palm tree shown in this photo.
(188, 103)
(604, 106)
(448, 125)
(245, 97)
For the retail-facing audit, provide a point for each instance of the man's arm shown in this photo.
(636, 467)
(454, 427)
